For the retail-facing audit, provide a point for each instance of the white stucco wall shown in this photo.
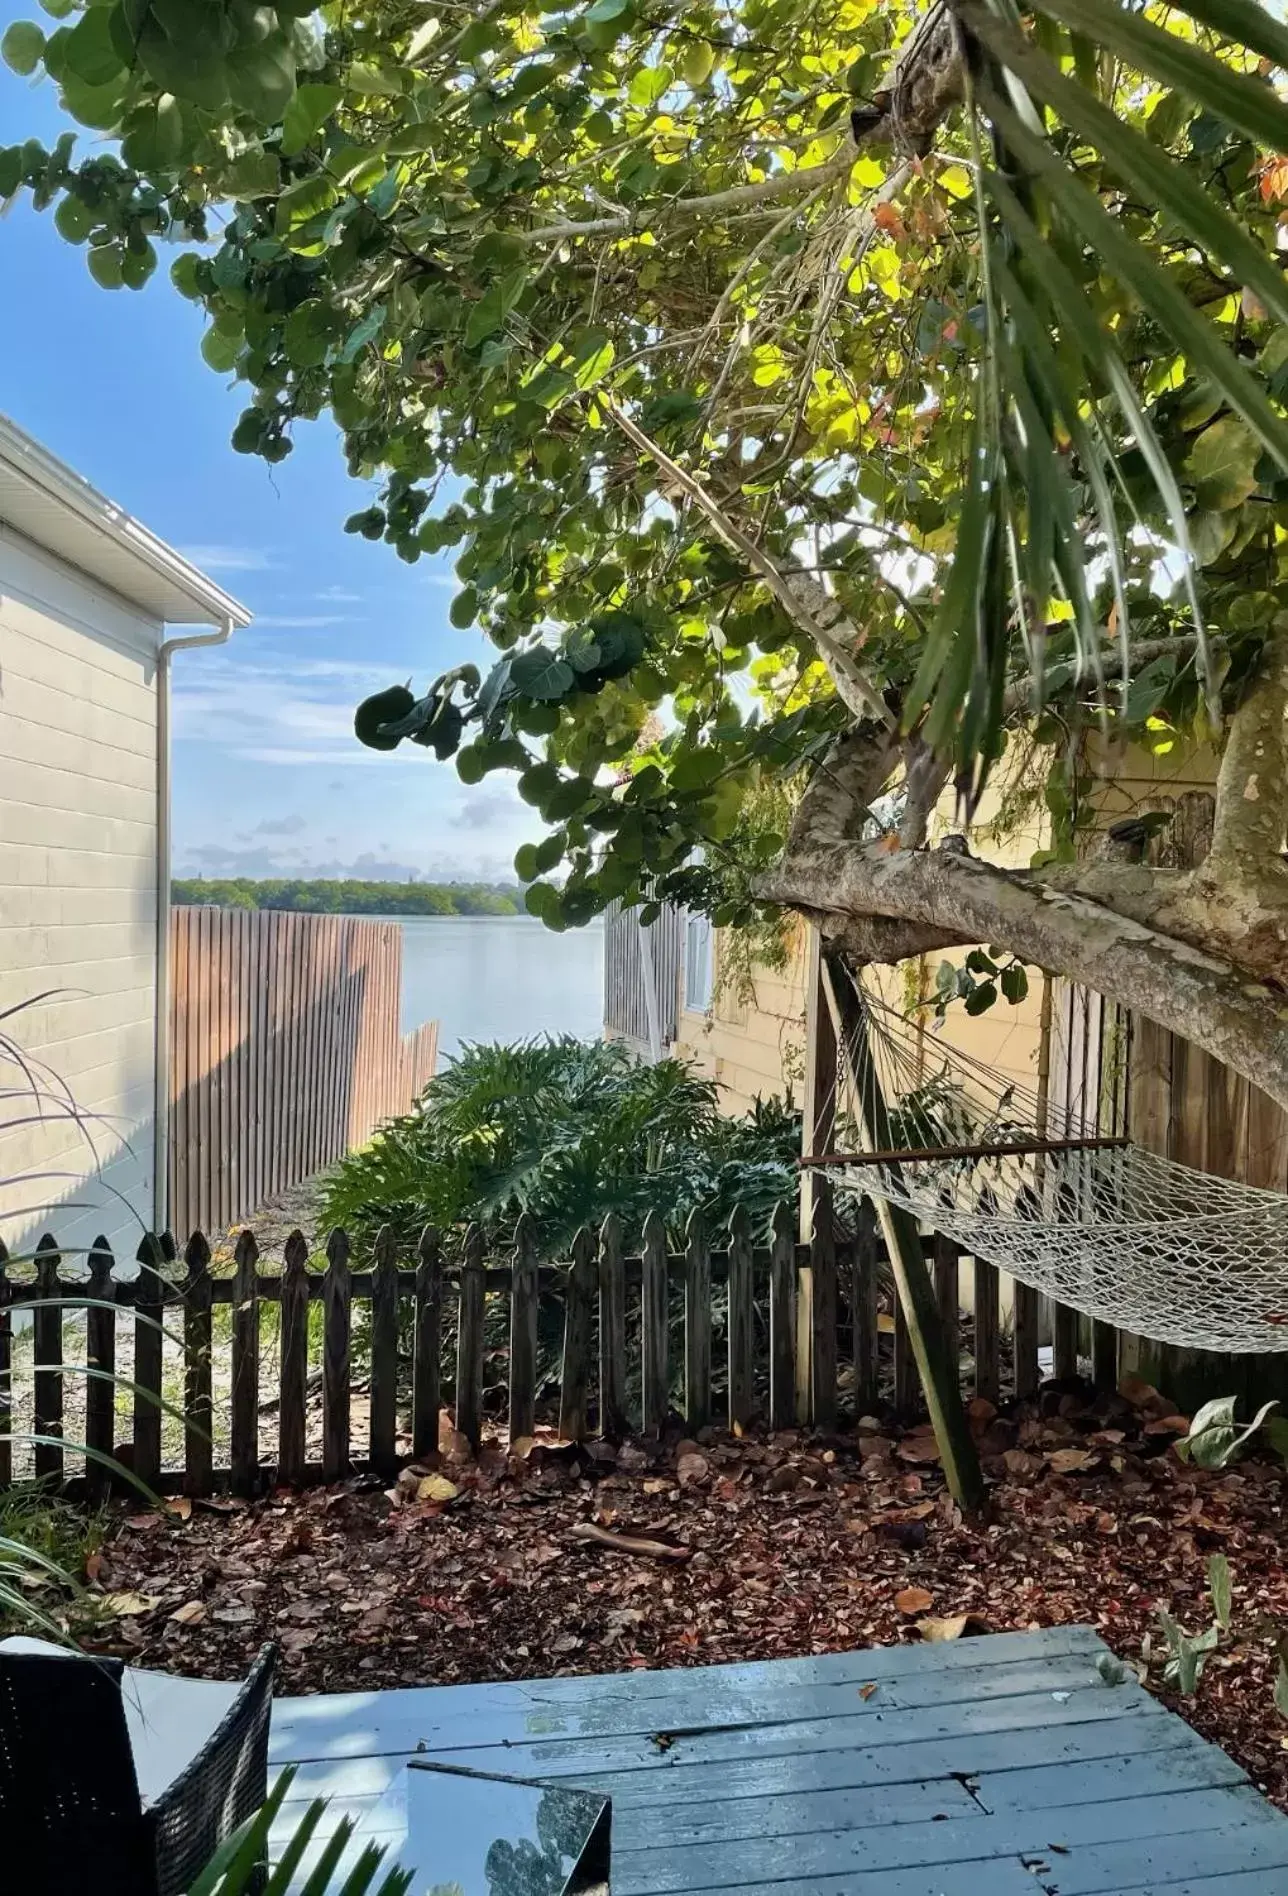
(78, 841)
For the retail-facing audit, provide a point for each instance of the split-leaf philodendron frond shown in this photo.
(864, 387)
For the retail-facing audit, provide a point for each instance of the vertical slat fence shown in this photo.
(285, 1052)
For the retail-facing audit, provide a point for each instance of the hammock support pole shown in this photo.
(916, 1289)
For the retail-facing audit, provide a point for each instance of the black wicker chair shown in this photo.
(72, 1817)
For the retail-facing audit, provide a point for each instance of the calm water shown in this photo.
(501, 978)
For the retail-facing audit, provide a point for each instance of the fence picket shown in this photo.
(523, 1331)
(149, 1315)
(579, 1316)
(863, 1310)
(1026, 1339)
(655, 1324)
(907, 1383)
(294, 1326)
(947, 1293)
(822, 1263)
(1065, 1323)
(100, 1356)
(244, 1455)
(612, 1330)
(782, 1318)
(988, 1369)
(1104, 1355)
(427, 1336)
(469, 1340)
(6, 1386)
(384, 1355)
(742, 1389)
(198, 1341)
(47, 1354)
(337, 1291)
(697, 1325)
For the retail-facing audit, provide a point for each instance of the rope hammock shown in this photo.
(1032, 1185)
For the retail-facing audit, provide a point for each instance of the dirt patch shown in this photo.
(767, 1547)
(299, 1208)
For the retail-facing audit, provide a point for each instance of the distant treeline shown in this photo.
(349, 897)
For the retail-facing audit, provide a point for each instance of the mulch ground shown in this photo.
(557, 1559)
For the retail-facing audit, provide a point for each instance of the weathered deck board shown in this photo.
(1004, 1766)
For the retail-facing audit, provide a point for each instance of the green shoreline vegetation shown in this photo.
(348, 897)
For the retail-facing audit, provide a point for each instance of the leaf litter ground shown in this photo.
(562, 1559)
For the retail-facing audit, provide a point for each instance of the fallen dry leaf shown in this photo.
(914, 1600)
(692, 1468)
(130, 1605)
(180, 1507)
(191, 1613)
(1067, 1461)
(436, 1488)
(936, 1631)
(866, 1691)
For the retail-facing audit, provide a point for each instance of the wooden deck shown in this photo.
(1005, 1766)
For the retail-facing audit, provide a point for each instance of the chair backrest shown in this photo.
(70, 1813)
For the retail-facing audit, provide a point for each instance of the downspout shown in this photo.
(161, 1098)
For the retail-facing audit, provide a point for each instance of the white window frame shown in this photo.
(699, 971)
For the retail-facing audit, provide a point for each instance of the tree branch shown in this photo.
(1252, 784)
(737, 197)
(807, 604)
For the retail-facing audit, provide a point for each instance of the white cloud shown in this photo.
(340, 596)
(228, 559)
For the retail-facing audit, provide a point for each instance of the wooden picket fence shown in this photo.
(617, 1314)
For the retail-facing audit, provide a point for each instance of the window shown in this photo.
(697, 965)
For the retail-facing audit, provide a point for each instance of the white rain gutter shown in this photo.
(161, 1101)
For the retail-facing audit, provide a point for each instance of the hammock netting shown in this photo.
(1092, 1220)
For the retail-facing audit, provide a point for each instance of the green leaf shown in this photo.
(11, 169)
(604, 11)
(261, 78)
(592, 360)
(105, 267)
(1215, 1439)
(981, 998)
(306, 114)
(74, 219)
(1015, 983)
(526, 866)
(301, 202)
(541, 674)
(1221, 464)
(1281, 1688)
(90, 49)
(219, 347)
(385, 707)
(23, 46)
(464, 609)
(1219, 1586)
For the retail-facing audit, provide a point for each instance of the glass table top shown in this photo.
(470, 1834)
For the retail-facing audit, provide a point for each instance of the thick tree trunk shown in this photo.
(1190, 951)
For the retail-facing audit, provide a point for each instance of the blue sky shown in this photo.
(268, 776)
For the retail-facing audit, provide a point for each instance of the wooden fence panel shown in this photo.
(655, 1325)
(822, 1266)
(612, 1330)
(579, 1316)
(469, 1341)
(697, 1326)
(292, 1390)
(782, 1318)
(198, 1341)
(336, 1295)
(742, 1393)
(285, 1052)
(427, 1343)
(245, 1368)
(148, 1360)
(47, 1355)
(100, 1358)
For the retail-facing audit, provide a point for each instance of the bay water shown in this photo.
(501, 977)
